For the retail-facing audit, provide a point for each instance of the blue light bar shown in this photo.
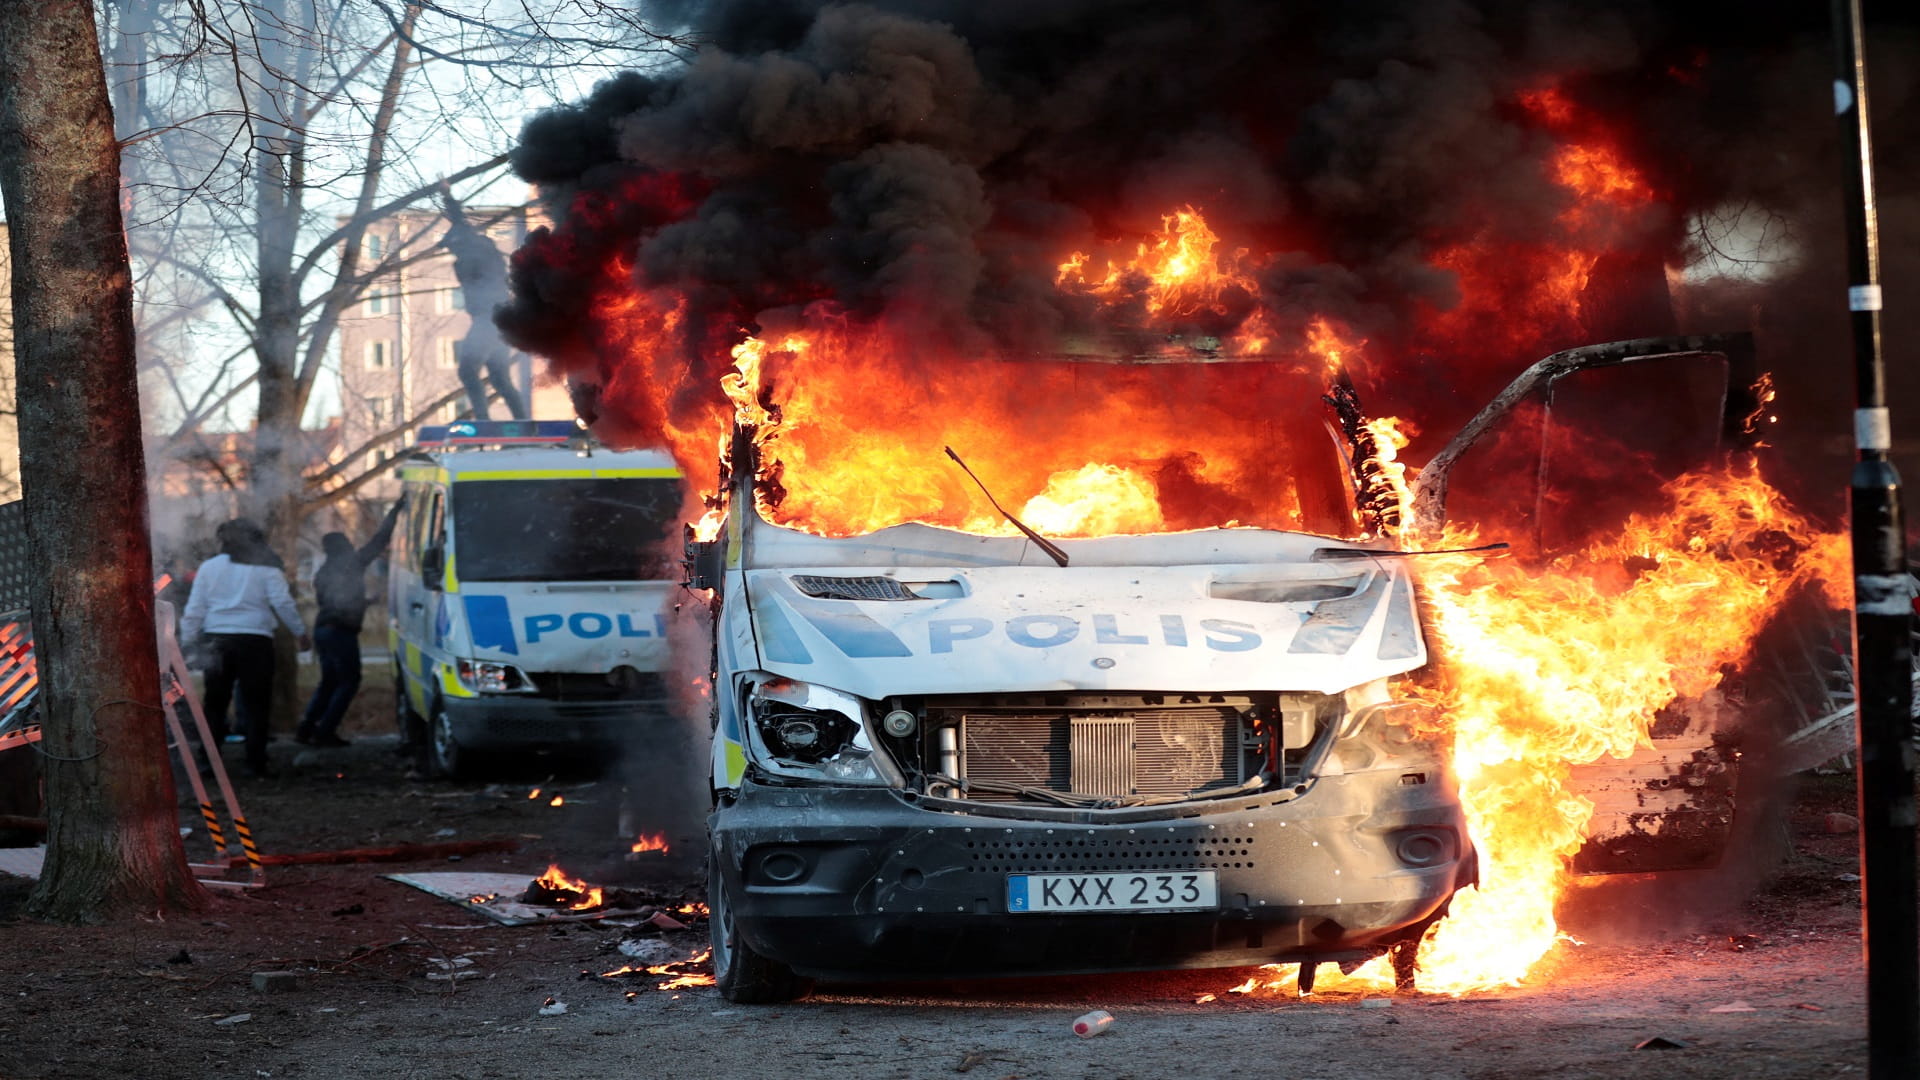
(499, 433)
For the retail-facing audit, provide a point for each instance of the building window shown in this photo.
(379, 355)
(446, 353)
(453, 299)
(377, 410)
(376, 303)
(375, 246)
(451, 410)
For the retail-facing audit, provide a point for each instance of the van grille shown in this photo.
(1140, 750)
(618, 685)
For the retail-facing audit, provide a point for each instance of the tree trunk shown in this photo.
(113, 845)
(280, 160)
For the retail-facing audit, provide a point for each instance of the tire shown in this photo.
(449, 760)
(404, 717)
(742, 975)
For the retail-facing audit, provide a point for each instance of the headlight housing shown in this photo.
(807, 732)
(1395, 734)
(489, 677)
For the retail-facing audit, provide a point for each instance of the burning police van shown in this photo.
(943, 753)
(527, 591)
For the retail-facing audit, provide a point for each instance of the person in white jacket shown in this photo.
(236, 597)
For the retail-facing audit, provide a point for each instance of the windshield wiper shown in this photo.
(1323, 554)
(1046, 545)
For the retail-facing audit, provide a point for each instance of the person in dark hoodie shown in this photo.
(236, 597)
(340, 588)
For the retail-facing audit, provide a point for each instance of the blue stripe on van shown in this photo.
(490, 624)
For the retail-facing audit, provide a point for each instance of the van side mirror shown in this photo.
(433, 566)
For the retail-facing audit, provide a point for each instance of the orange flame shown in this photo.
(1175, 272)
(1548, 666)
(683, 972)
(649, 842)
(557, 880)
(1569, 665)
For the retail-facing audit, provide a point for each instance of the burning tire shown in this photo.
(743, 976)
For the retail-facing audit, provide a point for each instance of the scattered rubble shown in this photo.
(276, 982)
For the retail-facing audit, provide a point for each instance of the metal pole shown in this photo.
(1882, 647)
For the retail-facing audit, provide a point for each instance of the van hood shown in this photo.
(1321, 627)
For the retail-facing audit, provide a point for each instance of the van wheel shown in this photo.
(449, 760)
(405, 720)
(742, 975)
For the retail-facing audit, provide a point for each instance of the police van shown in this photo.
(939, 753)
(528, 591)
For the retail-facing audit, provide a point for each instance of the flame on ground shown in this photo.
(649, 842)
(681, 974)
(558, 881)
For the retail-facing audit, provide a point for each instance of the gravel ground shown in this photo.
(1761, 986)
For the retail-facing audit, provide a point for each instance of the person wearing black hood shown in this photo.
(236, 596)
(340, 588)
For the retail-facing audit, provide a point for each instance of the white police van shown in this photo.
(527, 597)
(938, 753)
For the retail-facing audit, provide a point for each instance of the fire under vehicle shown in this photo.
(938, 753)
(526, 598)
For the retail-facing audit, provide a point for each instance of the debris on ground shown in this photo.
(523, 900)
(648, 950)
(553, 1008)
(276, 982)
(451, 970)
(1660, 1042)
(1093, 1023)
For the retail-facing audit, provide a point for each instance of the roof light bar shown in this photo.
(499, 433)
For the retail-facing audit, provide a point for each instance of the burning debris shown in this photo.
(695, 970)
(557, 889)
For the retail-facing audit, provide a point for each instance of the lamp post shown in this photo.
(1883, 612)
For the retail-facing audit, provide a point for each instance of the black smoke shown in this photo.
(927, 161)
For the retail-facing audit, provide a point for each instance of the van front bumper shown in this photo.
(524, 722)
(844, 883)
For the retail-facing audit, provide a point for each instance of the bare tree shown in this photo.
(270, 134)
(112, 844)
(263, 138)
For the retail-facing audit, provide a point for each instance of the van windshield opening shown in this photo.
(564, 529)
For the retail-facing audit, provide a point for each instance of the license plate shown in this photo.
(1157, 890)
